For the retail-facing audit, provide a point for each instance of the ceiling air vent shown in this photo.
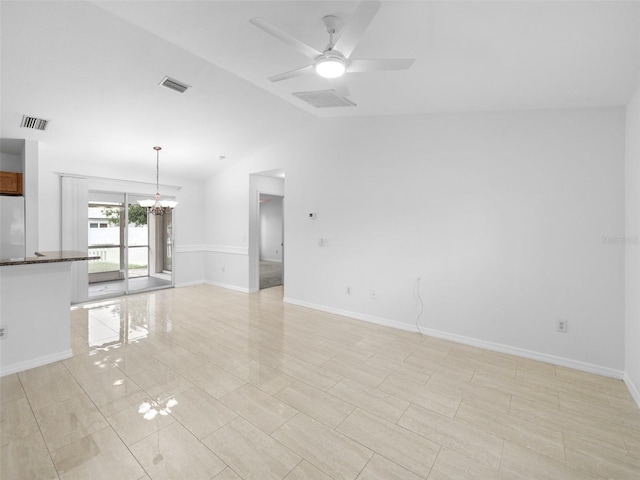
(34, 123)
(324, 99)
(174, 84)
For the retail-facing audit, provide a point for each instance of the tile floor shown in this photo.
(205, 383)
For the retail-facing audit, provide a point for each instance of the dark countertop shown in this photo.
(49, 257)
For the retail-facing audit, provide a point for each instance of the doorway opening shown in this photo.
(271, 232)
(134, 248)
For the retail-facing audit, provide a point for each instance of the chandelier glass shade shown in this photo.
(157, 206)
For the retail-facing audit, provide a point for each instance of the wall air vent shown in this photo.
(324, 99)
(174, 84)
(34, 123)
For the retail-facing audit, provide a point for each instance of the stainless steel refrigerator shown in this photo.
(12, 236)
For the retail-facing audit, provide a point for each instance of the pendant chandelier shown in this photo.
(157, 206)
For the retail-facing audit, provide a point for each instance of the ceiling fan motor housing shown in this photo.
(331, 64)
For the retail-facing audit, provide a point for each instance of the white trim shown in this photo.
(190, 248)
(231, 249)
(190, 284)
(35, 362)
(227, 286)
(497, 347)
(118, 180)
(275, 260)
(633, 390)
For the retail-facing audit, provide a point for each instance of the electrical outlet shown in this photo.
(348, 290)
(562, 326)
(4, 331)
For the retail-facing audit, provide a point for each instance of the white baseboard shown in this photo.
(36, 362)
(633, 389)
(275, 260)
(190, 284)
(227, 286)
(496, 347)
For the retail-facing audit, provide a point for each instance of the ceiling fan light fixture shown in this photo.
(331, 65)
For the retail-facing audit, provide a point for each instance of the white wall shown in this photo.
(10, 162)
(271, 219)
(632, 248)
(509, 219)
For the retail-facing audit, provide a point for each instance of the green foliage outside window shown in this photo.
(137, 215)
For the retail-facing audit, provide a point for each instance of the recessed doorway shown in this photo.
(271, 217)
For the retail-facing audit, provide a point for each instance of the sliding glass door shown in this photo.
(135, 249)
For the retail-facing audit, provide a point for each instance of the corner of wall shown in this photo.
(632, 248)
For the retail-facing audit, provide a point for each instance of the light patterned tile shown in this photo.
(94, 457)
(11, 389)
(43, 371)
(522, 463)
(305, 471)
(483, 397)
(313, 375)
(172, 452)
(112, 391)
(180, 359)
(132, 359)
(371, 399)
(16, 420)
(367, 374)
(131, 426)
(227, 474)
(379, 468)
(200, 412)
(161, 381)
(399, 367)
(533, 435)
(28, 458)
(336, 455)
(250, 452)
(422, 395)
(91, 363)
(261, 409)
(250, 349)
(402, 446)
(317, 404)
(452, 465)
(454, 434)
(47, 390)
(516, 387)
(65, 422)
(592, 456)
(213, 380)
(565, 422)
(265, 378)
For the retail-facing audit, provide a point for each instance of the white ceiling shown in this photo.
(92, 68)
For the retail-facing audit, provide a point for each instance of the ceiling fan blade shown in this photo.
(359, 66)
(357, 25)
(339, 85)
(293, 73)
(286, 38)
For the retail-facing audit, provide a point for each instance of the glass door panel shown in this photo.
(106, 235)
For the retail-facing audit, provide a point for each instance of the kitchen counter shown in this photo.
(35, 302)
(49, 257)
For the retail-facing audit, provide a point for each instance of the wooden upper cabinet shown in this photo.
(10, 183)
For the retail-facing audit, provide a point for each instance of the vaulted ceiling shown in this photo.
(93, 69)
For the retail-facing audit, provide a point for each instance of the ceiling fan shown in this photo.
(335, 60)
